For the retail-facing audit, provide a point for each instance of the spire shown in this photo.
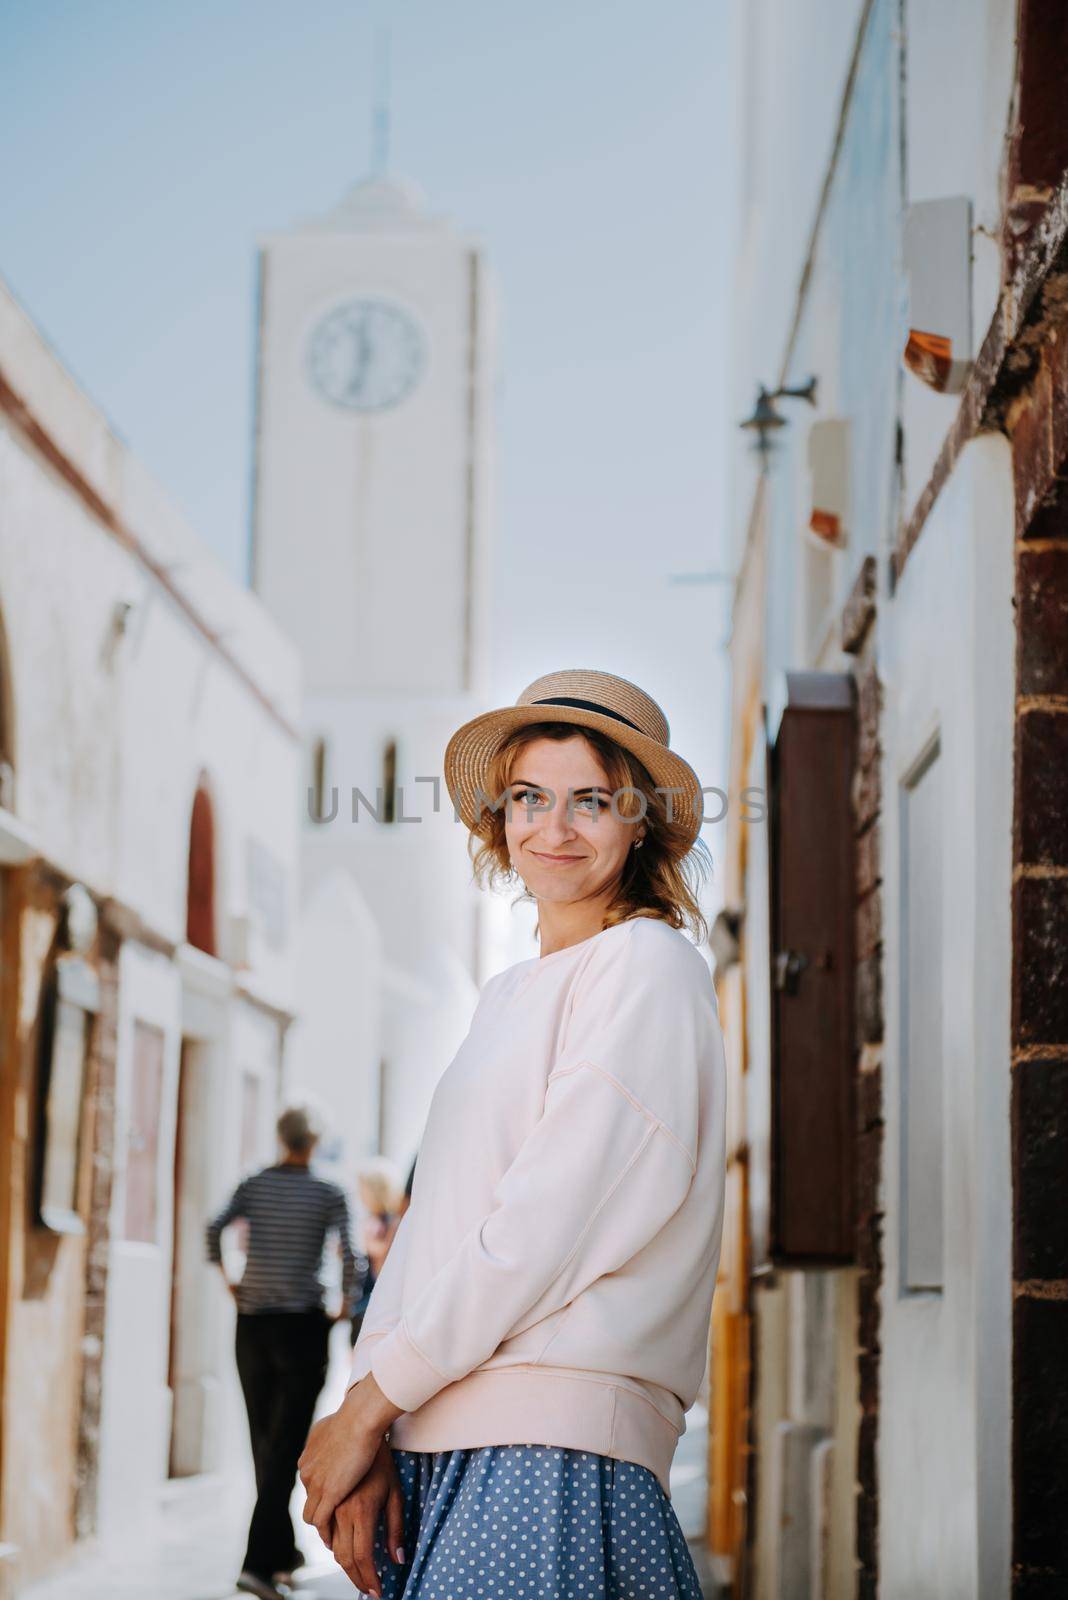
(381, 201)
(380, 114)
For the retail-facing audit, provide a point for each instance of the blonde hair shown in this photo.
(382, 1181)
(656, 880)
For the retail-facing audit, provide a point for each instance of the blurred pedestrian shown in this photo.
(378, 1186)
(283, 1328)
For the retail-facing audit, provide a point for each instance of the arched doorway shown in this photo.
(188, 1377)
(200, 902)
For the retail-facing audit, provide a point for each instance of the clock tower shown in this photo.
(371, 449)
(370, 545)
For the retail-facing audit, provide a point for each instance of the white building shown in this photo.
(371, 548)
(865, 1394)
(148, 861)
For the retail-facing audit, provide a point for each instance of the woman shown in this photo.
(540, 1326)
(377, 1186)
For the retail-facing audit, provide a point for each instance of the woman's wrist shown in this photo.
(369, 1408)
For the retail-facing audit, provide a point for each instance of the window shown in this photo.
(317, 792)
(921, 1024)
(389, 781)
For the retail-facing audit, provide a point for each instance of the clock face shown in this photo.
(366, 355)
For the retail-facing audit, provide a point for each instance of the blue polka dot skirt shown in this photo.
(534, 1522)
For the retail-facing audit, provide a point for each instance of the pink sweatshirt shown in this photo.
(551, 1282)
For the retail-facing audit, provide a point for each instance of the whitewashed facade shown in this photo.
(141, 687)
(880, 1390)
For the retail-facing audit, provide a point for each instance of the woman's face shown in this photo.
(565, 851)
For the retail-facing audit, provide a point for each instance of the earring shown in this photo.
(638, 843)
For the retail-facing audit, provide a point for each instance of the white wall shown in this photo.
(958, 85)
(112, 727)
(414, 875)
(135, 1422)
(789, 65)
(121, 701)
(194, 1002)
(427, 1016)
(927, 118)
(944, 1418)
(789, 71)
(334, 1048)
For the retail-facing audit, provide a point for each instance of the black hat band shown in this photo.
(587, 705)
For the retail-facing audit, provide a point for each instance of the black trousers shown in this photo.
(281, 1361)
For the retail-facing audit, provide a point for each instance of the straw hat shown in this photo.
(589, 700)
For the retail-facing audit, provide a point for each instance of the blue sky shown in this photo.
(587, 145)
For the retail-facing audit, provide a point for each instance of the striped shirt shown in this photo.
(289, 1211)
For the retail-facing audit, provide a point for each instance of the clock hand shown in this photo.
(364, 353)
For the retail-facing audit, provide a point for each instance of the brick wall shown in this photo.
(1037, 423)
(1037, 153)
(858, 639)
(1039, 432)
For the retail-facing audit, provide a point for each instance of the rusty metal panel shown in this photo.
(812, 888)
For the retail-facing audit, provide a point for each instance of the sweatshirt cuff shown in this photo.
(360, 1364)
(403, 1374)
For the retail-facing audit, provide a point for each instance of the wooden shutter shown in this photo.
(811, 876)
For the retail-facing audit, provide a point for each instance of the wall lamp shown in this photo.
(766, 419)
(725, 938)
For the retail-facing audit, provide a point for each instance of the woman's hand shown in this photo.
(356, 1520)
(340, 1450)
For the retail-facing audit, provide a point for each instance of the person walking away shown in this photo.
(377, 1186)
(283, 1328)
